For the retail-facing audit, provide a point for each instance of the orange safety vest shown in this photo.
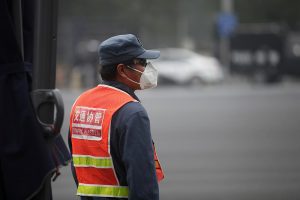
(90, 121)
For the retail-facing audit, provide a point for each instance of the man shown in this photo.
(113, 153)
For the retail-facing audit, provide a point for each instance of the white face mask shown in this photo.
(148, 78)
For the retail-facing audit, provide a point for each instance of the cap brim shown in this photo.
(149, 54)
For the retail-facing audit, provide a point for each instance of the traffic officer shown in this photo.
(110, 139)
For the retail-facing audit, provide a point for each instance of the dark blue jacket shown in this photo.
(131, 149)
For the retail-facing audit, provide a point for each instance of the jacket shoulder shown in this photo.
(132, 108)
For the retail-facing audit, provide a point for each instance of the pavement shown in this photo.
(233, 141)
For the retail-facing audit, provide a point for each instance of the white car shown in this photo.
(183, 66)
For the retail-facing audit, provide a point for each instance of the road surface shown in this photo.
(225, 142)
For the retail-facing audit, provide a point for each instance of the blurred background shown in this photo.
(225, 116)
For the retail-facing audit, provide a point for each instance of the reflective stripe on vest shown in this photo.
(102, 190)
(156, 164)
(91, 161)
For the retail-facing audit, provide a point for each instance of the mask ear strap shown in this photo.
(133, 80)
(133, 69)
(130, 78)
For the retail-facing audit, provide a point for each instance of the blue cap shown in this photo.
(122, 48)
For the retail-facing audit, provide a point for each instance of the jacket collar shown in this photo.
(122, 87)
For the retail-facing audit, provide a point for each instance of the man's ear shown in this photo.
(120, 70)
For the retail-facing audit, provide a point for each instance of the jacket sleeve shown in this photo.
(137, 155)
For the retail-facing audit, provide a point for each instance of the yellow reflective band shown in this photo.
(157, 165)
(86, 161)
(102, 191)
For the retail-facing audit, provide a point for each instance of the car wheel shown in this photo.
(195, 81)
